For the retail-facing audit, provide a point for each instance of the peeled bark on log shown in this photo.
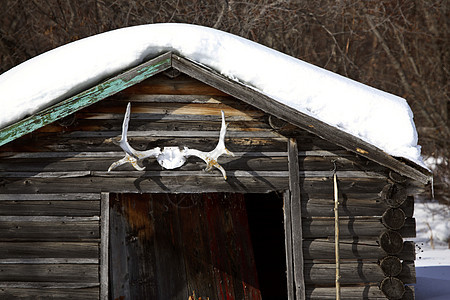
(393, 218)
(391, 242)
(391, 265)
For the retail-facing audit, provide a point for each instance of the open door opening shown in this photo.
(214, 245)
(265, 219)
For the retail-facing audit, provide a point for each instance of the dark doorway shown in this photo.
(265, 219)
(170, 246)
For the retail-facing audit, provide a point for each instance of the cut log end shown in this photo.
(393, 288)
(393, 195)
(391, 265)
(393, 218)
(391, 242)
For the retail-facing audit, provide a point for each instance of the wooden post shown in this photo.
(288, 245)
(336, 237)
(296, 219)
(104, 246)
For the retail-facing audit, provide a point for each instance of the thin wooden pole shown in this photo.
(336, 237)
(104, 247)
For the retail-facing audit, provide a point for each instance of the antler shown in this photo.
(211, 157)
(132, 156)
(170, 157)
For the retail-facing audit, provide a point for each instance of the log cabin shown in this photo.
(69, 228)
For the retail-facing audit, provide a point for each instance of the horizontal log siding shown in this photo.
(183, 112)
(49, 246)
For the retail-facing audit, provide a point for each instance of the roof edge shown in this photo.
(295, 117)
(86, 98)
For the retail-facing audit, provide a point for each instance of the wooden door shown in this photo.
(172, 246)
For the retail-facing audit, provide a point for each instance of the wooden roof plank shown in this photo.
(88, 97)
(297, 118)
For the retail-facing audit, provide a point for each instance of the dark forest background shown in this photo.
(400, 46)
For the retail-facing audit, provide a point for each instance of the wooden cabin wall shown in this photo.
(49, 246)
(373, 206)
(73, 155)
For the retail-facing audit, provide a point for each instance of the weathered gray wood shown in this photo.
(175, 134)
(50, 272)
(352, 227)
(393, 288)
(296, 219)
(77, 208)
(367, 292)
(353, 273)
(119, 255)
(158, 184)
(391, 241)
(358, 205)
(288, 245)
(59, 219)
(391, 266)
(49, 293)
(394, 194)
(47, 285)
(363, 249)
(299, 119)
(85, 98)
(48, 261)
(104, 247)
(40, 250)
(49, 230)
(393, 218)
(50, 197)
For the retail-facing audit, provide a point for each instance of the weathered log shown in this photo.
(61, 293)
(50, 208)
(353, 273)
(353, 205)
(397, 178)
(50, 272)
(352, 227)
(391, 241)
(393, 218)
(394, 195)
(393, 288)
(28, 230)
(391, 266)
(29, 250)
(370, 250)
(367, 292)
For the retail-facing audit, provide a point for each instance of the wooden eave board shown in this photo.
(208, 76)
(86, 98)
(298, 118)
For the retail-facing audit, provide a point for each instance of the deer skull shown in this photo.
(170, 157)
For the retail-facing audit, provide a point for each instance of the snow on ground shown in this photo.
(380, 118)
(432, 251)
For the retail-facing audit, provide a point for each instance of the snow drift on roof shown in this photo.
(377, 117)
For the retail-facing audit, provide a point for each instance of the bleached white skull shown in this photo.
(171, 158)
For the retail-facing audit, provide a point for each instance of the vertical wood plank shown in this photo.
(296, 220)
(288, 245)
(104, 246)
(195, 245)
(170, 264)
(120, 285)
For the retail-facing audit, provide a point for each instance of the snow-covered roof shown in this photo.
(379, 118)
